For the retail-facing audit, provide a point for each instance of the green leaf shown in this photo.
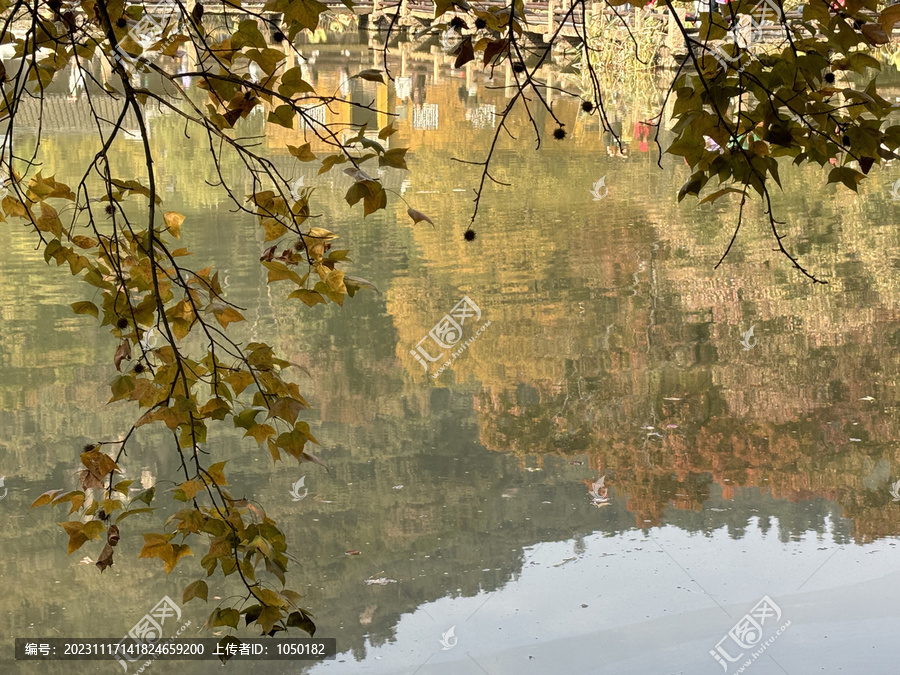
(131, 512)
(246, 419)
(122, 486)
(86, 308)
(302, 621)
(394, 158)
(283, 115)
(356, 192)
(305, 12)
(226, 617)
(370, 75)
(330, 161)
(292, 82)
(845, 175)
(720, 193)
(121, 387)
(279, 271)
(691, 187)
(146, 496)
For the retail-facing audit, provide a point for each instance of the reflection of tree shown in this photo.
(597, 321)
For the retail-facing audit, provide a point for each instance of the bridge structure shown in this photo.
(543, 18)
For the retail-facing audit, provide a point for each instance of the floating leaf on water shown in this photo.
(381, 581)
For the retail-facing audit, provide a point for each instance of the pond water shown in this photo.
(611, 477)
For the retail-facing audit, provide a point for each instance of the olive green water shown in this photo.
(614, 350)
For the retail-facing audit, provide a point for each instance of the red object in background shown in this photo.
(642, 134)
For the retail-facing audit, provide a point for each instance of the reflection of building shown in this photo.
(482, 117)
(316, 113)
(148, 480)
(57, 113)
(403, 87)
(425, 117)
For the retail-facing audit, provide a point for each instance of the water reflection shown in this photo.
(614, 363)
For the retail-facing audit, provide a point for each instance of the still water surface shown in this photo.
(614, 351)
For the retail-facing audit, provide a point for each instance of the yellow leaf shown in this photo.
(321, 233)
(217, 472)
(387, 131)
(191, 488)
(270, 597)
(328, 162)
(77, 539)
(279, 271)
(286, 408)
(303, 153)
(216, 408)
(310, 298)
(198, 589)
(274, 230)
(227, 315)
(335, 281)
(260, 432)
(49, 220)
(98, 463)
(395, 157)
(179, 551)
(158, 546)
(84, 242)
(45, 498)
(173, 222)
(181, 328)
(75, 498)
(93, 529)
(267, 618)
(110, 505)
(239, 381)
